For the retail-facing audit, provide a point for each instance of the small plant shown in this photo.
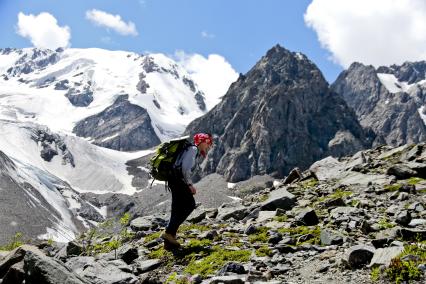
(385, 224)
(213, 262)
(375, 274)
(309, 183)
(108, 236)
(152, 237)
(414, 180)
(392, 187)
(281, 218)
(173, 278)
(50, 242)
(263, 197)
(297, 232)
(125, 219)
(263, 251)
(403, 270)
(16, 241)
(261, 235)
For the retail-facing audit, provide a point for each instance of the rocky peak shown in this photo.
(387, 99)
(410, 72)
(279, 115)
(33, 59)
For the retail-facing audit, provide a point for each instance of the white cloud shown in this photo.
(213, 74)
(379, 32)
(206, 34)
(43, 30)
(114, 22)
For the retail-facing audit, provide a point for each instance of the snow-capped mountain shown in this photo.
(389, 100)
(58, 107)
(61, 88)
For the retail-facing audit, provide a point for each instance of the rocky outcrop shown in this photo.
(51, 145)
(388, 100)
(278, 116)
(30, 61)
(122, 126)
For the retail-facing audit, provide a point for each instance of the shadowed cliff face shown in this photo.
(279, 115)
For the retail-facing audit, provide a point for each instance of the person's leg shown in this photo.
(183, 204)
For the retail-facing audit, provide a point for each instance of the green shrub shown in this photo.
(214, 261)
(264, 251)
(15, 241)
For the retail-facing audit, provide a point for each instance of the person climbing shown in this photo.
(181, 187)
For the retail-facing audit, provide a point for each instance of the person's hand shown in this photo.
(192, 189)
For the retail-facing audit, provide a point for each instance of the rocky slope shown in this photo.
(358, 219)
(389, 100)
(279, 115)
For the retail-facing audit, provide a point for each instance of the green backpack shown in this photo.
(162, 163)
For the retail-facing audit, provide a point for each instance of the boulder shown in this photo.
(330, 237)
(143, 266)
(102, 271)
(327, 168)
(279, 198)
(307, 217)
(383, 256)
(232, 210)
(358, 256)
(401, 171)
(37, 267)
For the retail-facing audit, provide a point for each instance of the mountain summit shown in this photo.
(92, 92)
(278, 116)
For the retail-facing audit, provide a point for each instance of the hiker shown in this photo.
(181, 186)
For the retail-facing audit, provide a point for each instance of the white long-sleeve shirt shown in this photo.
(186, 162)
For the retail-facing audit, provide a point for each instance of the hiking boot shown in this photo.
(170, 239)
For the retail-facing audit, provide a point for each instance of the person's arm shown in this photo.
(188, 162)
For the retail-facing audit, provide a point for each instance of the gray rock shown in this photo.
(383, 256)
(401, 171)
(330, 237)
(146, 222)
(344, 211)
(232, 210)
(80, 98)
(327, 169)
(279, 198)
(88, 212)
(231, 279)
(101, 271)
(411, 234)
(197, 215)
(15, 274)
(147, 265)
(42, 269)
(294, 175)
(416, 206)
(307, 217)
(232, 267)
(417, 222)
(403, 218)
(358, 256)
(73, 249)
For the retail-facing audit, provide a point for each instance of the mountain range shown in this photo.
(78, 126)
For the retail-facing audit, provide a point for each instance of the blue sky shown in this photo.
(334, 34)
